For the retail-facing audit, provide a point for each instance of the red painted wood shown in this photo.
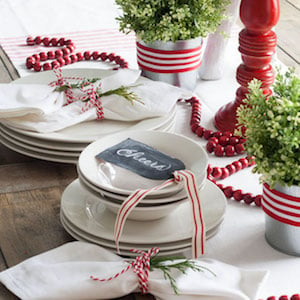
(257, 44)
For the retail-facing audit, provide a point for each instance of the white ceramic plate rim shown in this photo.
(88, 165)
(173, 228)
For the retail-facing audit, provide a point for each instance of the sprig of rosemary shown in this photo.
(123, 91)
(180, 263)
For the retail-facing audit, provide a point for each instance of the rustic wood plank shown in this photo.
(287, 59)
(9, 68)
(8, 156)
(35, 174)
(30, 223)
(287, 31)
(144, 297)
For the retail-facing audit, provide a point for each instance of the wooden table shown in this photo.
(30, 196)
(31, 189)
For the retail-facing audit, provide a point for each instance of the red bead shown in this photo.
(227, 133)
(36, 57)
(209, 169)
(233, 140)
(111, 56)
(71, 48)
(199, 131)
(68, 42)
(251, 160)
(216, 172)
(220, 186)
(79, 56)
(74, 58)
(224, 140)
(95, 55)
(87, 55)
(239, 148)
(61, 61)
(67, 60)
(231, 168)
(47, 66)
(283, 297)
(225, 173)
(118, 59)
(66, 51)
(37, 67)
(229, 150)
(194, 120)
(228, 191)
(295, 297)
(61, 42)
(219, 150)
(214, 140)
(244, 162)
(257, 200)
(43, 56)
(50, 54)
(30, 41)
(238, 195)
(242, 140)
(248, 198)
(58, 53)
(124, 65)
(218, 134)
(271, 298)
(238, 165)
(55, 64)
(207, 134)
(30, 59)
(38, 40)
(210, 146)
(103, 56)
(54, 42)
(46, 41)
(29, 64)
(194, 127)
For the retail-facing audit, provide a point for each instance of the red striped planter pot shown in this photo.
(175, 63)
(282, 210)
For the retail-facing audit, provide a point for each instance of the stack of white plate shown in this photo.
(66, 145)
(89, 205)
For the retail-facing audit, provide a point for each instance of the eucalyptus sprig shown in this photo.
(180, 263)
(123, 91)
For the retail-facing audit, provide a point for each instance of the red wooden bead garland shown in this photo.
(284, 297)
(65, 55)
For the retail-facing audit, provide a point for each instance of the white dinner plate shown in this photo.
(189, 152)
(48, 157)
(97, 220)
(88, 132)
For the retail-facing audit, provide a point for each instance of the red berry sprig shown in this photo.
(65, 55)
(219, 143)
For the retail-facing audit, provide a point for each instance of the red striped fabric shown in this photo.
(281, 207)
(167, 61)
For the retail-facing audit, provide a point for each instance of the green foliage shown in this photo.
(273, 129)
(171, 20)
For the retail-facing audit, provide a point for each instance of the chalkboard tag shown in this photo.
(141, 159)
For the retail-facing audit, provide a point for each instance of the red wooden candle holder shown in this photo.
(257, 44)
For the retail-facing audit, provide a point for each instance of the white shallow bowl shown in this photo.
(189, 152)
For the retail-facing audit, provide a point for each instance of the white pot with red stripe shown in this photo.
(175, 63)
(282, 208)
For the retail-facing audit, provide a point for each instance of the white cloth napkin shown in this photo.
(64, 273)
(21, 99)
(158, 99)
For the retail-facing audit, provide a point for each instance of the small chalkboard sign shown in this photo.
(141, 159)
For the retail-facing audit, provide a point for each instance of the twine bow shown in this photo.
(141, 266)
(191, 187)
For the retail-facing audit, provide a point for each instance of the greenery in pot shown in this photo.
(171, 20)
(272, 129)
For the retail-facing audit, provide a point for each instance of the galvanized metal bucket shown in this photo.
(175, 63)
(282, 208)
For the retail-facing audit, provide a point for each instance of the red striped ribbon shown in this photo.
(281, 207)
(168, 61)
(191, 187)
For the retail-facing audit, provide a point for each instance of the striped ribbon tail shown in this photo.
(129, 204)
(281, 207)
(199, 232)
(168, 61)
(191, 186)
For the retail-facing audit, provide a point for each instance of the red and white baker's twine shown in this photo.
(88, 93)
(65, 55)
(191, 186)
(141, 266)
(168, 61)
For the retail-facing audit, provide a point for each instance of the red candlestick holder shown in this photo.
(257, 44)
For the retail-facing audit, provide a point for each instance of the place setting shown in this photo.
(45, 122)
